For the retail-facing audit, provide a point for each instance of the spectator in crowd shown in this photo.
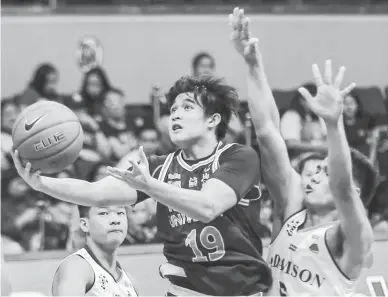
(142, 223)
(94, 86)
(203, 63)
(43, 85)
(95, 146)
(303, 130)
(115, 126)
(358, 124)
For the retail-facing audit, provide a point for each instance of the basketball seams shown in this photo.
(64, 148)
(44, 128)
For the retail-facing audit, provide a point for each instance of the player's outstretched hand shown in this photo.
(240, 37)
(138, 176)
(32, 178)
(328, 103)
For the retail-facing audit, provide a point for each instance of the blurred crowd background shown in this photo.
(114, 128)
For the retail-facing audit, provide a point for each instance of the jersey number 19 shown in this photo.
(211, 239)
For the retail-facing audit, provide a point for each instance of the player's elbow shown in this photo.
(208, 212)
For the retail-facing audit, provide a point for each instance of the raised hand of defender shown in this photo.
(240, 37)
(32, 178)
(138, 176)
(328, 103)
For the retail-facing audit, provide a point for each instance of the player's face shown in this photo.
(308, 170)
(106, 226)
(317, 190)
(188, 122)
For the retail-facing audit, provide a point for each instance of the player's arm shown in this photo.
(355, 230)
(355, 233)
(239, 171)
(105, 191)
(280, 178)
(74, 277)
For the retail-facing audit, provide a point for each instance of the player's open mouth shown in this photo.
(176, 127)
(308, 189)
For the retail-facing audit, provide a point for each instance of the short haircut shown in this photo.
(307, 157)
(83, 211)
(212, 94)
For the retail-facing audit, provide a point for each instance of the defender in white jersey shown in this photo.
(94, 270)
(321, 236)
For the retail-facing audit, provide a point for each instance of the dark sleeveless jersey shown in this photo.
(222, 257)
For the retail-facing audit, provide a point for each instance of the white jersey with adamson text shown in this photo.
(301, 262)
(104, 283)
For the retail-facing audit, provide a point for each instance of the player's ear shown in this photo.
(214, 120)
(84, 224)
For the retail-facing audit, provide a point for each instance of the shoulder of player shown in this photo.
(236, 150)
(75, 267)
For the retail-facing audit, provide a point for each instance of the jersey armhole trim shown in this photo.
(335, 262)
(285, 221)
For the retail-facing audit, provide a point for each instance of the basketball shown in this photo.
(48, 135)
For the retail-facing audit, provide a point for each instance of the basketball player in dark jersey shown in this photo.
(202, 190)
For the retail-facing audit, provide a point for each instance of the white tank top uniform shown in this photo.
(301, 262)
(104, 283)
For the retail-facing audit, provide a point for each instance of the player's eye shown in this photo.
(121, 213)
(103, 213)
(188, 107)
(173, 110)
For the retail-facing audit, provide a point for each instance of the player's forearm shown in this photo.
(260, 99)
(189, 202)
(71, 190)
(339, 161)
(303, 146)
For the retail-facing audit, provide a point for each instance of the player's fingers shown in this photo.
(136, 168)
(339, 77)
(114, 175)
(306, 94)
(245, 34)
(37, 174)
(16, 160)
(116, 171)
(328, 72)
(143, 157)
(348, 89)
(317, 75)
(27, 169)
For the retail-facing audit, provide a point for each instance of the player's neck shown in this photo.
(320, 218)
(200, 149)
(107, 258)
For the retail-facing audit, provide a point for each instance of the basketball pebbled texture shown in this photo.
(48, 135)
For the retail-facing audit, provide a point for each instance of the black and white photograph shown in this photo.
(194, 148)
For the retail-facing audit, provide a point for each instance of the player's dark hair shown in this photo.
(211, 94)
(83, 211)
(198, 57)
(365, 175)
(307, 157)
